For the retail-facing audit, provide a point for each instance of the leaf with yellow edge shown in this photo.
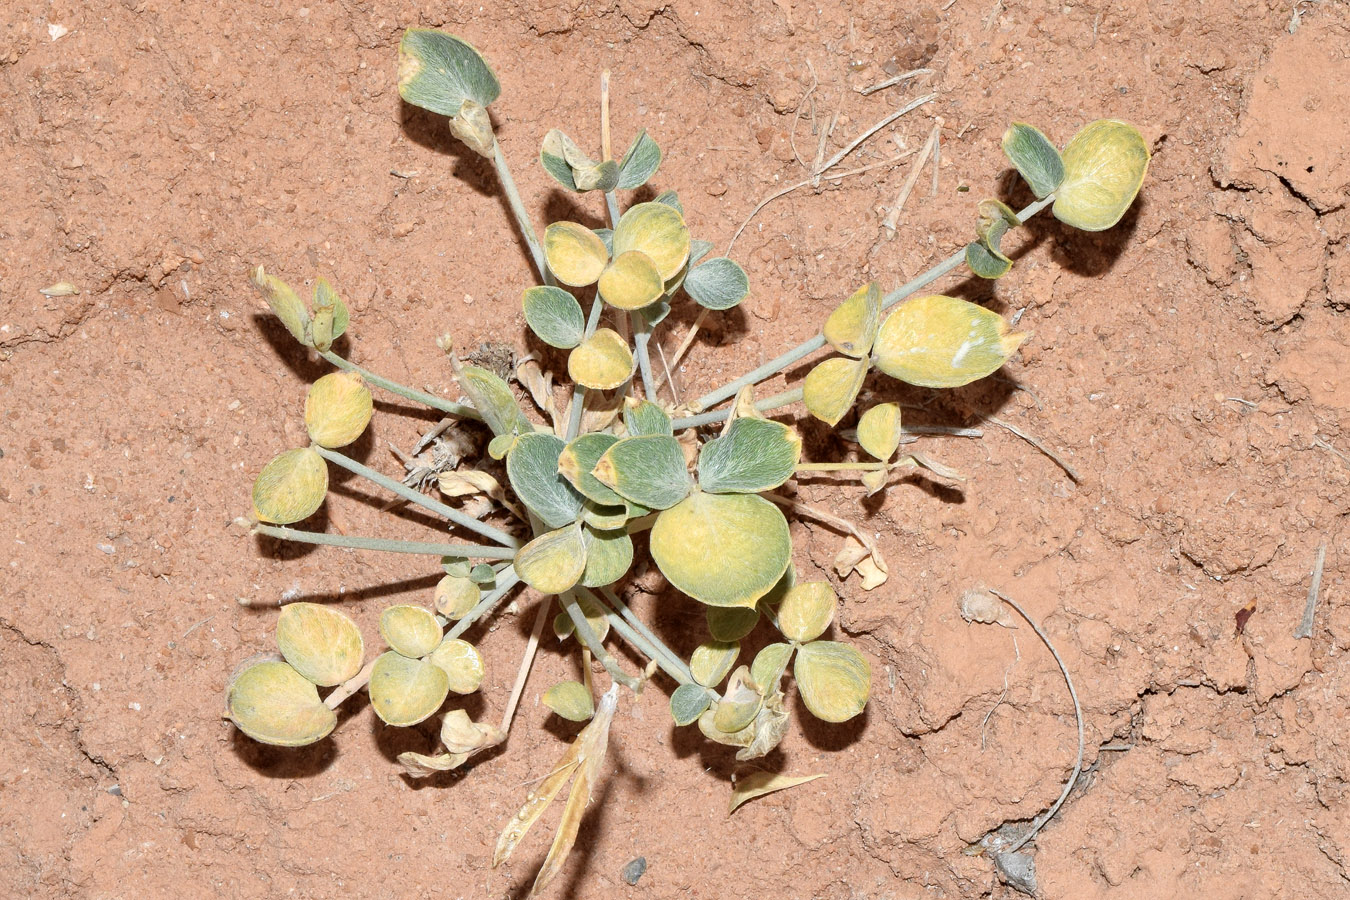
(852, 327)
(320, 643)
(571, 700)
(338, 408)
(943, 342)
(290, 487)
(657, 230)
(271, 702)
(462, 664)
(754, 455)
(712, 660)
(410, 630)
(807, 611)
(631, 281)
(757, 784)
(832, 386)
(833, 679)
(578, 459)
(406, 691)
(438, 71)
(553, 562)
(769, 665)
(649, 470)
(879, 430)
(602, 362)
(1104, 167)
(722, 549)
(575, 253)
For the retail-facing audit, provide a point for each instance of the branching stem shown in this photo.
(592, 641)
(446, 406)
(636, 632)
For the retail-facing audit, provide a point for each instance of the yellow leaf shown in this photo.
(832, 386)
(657, 230)
(722, 549)
(943, 342)
(290, 487)
(320, 643)
(852, 327)
(631, 281)
(1104, 167)
(602, 362)
(757, 784)
(574, 253)
(879, 430)
(553, 562)
(273, 703)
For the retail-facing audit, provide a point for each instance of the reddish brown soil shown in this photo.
(1190, 364)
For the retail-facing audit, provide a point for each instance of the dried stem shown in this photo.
(523, 674)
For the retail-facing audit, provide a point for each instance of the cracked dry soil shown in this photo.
(1190, 365)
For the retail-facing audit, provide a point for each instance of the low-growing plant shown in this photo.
(556, 504)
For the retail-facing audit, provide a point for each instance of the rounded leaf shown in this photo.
(769, 665)
(461, 663)
(657, 230)
(631, 281)
(731, 623)
(1104, 167)
(410, 630)
(602, 362)
(739, 705)
(852, 327)
(722, 549)
(406, 691)
(532, 468)
(807, 611)
(285, 303)
(943, 342)
(338, 408)
(456, 595)
(609, 556)
(320, 643)
(1034, 157)
(639, 163)
(571, 700)
(688, 702)
(712, 660)
(575, 253)
(290, 487)
(717, 284)
(492, 398)
(273, 703)
(578, 459)
(831, 387)
(603, 517)
(834, 680)
(987, 262)
(553, 562)
(879, 430)
(438, 71)
(649, 470)
(554, 315)
(645, 417)
(754, 455)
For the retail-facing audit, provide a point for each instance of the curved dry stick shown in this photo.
(1039, 823)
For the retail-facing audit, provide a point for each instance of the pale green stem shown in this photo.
(518, 210)
(842, 467)
(471, 551)
(578, 392)
(506, 580)
(654, 648)
(806, 348)
(393, 387)
(490, 532)
(593, 642)
(642, 335)
(786, 398)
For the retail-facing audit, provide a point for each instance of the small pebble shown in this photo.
(115, 790)
(635, 870)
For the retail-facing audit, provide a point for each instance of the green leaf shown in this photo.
(572, 168)
(320, 643)
(1035, 158)
(438, 71)
(731, 623)
(722, 549)
(604, 517)
(754, 455)
(986, 262)
(759, 783)
(285, 303)
(879, 430)
(602, 362)
(578, 459)
(717, 284)
(532, 467)
(271, 702)
(462, 664)
(410, 630)
(649, 470)
(609, 556)
(852, 327)
(1104, 167)
(671, 199)
(640, 162)
(606, 236)
(943, 342)
(712, 660)
(571, 700)
(327, 298)
(688, 702)
(291, 487)
(833, 679)
(807, 611)
(831, 387)
(985, 257)
(483, 573)
(554, 315)
(769, 665)
(699, 249)
(553, 562)
(493, 399)
(644, 417)
(406, 691)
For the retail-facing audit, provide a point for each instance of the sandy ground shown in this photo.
(1190, 365)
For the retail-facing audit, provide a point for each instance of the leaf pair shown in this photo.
(559, 560)
(1094, 180)
(462, 738)
(650, 246)
(317, 329)
(569, 165)
(411, 681)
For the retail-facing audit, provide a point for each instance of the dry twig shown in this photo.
(1305, 627)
